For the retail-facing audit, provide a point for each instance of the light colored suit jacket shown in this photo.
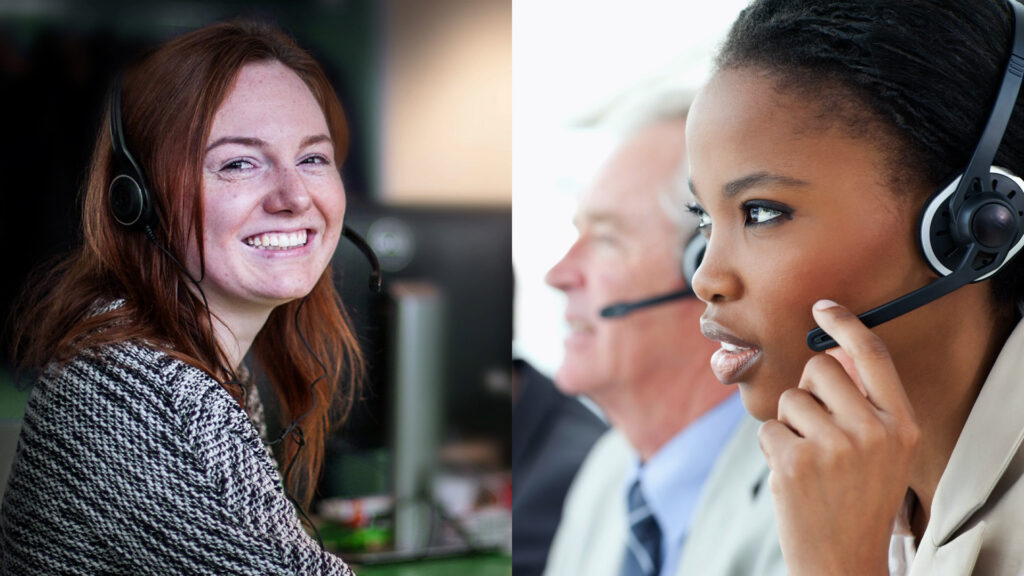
(733, 528)
(977, 518)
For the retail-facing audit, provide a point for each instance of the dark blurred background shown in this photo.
(426, 86)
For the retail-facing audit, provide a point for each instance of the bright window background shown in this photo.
(571, 58)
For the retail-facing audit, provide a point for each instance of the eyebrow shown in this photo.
(260, 143)
(755, 180)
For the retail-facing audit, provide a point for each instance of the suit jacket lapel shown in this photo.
(989, 441)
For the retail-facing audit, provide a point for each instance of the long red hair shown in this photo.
(168, 102)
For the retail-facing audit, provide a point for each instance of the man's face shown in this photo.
(627, 249)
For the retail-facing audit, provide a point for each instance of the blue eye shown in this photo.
(237, 165)
(703, 220)
(315, 159)
(760, 212)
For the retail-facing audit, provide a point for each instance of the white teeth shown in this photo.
(731, 347)
(277, 241)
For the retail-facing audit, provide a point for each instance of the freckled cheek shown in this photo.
(336, 217)
(332, 204)
(225, 211)
(218, 229)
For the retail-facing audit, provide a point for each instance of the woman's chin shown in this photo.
(758, 404)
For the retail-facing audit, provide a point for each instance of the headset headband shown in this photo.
(992, 135)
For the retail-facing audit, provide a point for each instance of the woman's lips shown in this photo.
(734, 358)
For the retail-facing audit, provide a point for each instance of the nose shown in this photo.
(566, 273)
(290, 193)
(716, 280)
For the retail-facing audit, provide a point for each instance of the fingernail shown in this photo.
(824, 305)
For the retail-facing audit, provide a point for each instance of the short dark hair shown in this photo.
(922, 73)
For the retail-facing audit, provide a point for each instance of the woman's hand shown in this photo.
(840, 453)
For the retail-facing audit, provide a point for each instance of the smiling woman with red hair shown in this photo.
(142, 446)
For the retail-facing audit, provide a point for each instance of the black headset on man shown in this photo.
(967, 230)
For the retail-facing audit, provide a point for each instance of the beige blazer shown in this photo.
(733, 529)
(977, 521)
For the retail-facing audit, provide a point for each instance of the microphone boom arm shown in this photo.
(622, 308)
(819, 341)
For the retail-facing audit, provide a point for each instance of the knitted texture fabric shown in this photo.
(133, 462)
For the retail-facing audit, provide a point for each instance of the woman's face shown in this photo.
(796, 210)
(273, 201)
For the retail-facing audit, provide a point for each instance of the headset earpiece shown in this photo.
(972, 226)
(990, 218)
(693, 253)
(128, 201)
(129, 198)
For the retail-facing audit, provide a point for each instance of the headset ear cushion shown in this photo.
(945, 239)
(129, 202)
(693, 253)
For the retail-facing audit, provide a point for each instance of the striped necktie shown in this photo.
(643, 547)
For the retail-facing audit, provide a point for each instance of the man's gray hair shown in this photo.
(658, 99)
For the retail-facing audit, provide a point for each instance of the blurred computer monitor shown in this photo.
(466, 254)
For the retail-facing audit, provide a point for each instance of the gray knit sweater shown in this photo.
(132, 462)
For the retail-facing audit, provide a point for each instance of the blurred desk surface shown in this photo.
(476, 565)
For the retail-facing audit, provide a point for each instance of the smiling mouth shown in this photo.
(277, 240)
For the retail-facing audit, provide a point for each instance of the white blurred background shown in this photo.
(572, 61)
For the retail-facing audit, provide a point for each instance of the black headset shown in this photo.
(971, 227)
(691, 256)
(129, 197)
